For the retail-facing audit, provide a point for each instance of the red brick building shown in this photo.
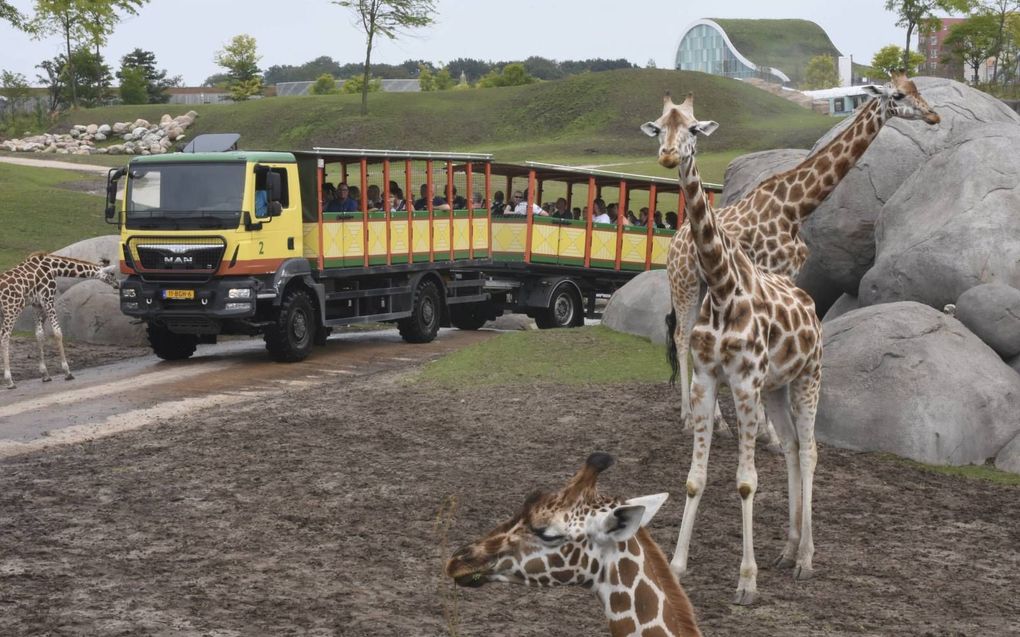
(929, 44)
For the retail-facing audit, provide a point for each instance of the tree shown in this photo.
(355, 85)
(821, 73)
(972, 42)
(325, 84)
(10, 13)
(307, 72)
(133, 85)
(914, 13)
(444, 81)
(650, 64)
(155, 81)
(241, 59)
(472, 68)
(85, 23)
(890, 58)
(385, 17)
(1000, 10)
(426, 80)
(14, 87)
(511, 75)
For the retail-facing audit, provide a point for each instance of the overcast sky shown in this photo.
(185, 34)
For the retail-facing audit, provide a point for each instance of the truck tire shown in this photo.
(469, 316)
(322, 335)
(423, 324)
(289, 339)
(170, 346)
(564, 309)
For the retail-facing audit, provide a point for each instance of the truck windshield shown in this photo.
(185, 196)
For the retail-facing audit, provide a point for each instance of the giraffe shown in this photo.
(578, 536)
(33, 281)
(766, 221)
(758, 333)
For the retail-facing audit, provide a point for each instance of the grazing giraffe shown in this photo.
(33, 281)
(766, 221)
(577, 536)
(758, 333)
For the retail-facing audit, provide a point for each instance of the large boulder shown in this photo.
(90, 312)
(843, 305)
(909, 380)
(747, 171)
(1009, 458)
(840, 233)
(953, 224)
(992, 311)
(640, 307)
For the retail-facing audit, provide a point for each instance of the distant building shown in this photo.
(930, 44)
(197, 95)
(839, 101)
(284, 89)
(705, 47)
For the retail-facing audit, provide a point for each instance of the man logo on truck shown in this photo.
(178, 260)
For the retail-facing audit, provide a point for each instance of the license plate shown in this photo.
(182, 295)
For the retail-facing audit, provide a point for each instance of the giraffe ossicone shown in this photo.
(757, 333)
(33, 282)
(576, 536)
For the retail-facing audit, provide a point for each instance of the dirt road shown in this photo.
(307, 504)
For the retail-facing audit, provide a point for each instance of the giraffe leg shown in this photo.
(777, 407)
(685, 304)
(703, 395)
(5, 342)
(804, 397)
(40, 339)
(749, 413)
(58, 336)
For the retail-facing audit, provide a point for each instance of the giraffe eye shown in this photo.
(543, 534)
(898, 95)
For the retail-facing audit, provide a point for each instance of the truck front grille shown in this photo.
(193, 256)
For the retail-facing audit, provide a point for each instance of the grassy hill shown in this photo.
(585, 116)
(785, 44)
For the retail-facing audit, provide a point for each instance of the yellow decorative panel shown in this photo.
(332, 240)
(509, 237)
(572, 242)
(481, 234)
(310, 240)
(633, 249)
(354, 239)
(421, 235)
(461, 238)
(603, 245)
(544, 239)
(441, 236)
(660, 248)
(398, 237)
(377, 238)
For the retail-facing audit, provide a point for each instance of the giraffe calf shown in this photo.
(33, 282)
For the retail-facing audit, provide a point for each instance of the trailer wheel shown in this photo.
(564, 309)
(423, 324)
(170, 346)
(289, 339)
(469, 316)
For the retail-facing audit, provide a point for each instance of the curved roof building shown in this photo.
(771, 49)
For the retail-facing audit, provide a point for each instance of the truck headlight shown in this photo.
(239, 293)
(238, 306)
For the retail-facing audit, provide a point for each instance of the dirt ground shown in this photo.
(24, 356)
(315, 512)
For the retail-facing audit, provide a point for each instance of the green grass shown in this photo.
(40, 215)
(986, 473)
(576, 356)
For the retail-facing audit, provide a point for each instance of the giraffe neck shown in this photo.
(717, 254)
(72, 268)
(643, 586)
(819, 174)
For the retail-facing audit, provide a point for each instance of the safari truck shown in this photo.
(250, 242)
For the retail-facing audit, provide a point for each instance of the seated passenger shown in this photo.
(561, 211)
(658, 220)
(498, 204)
(671, 220)
(477, 202)
(576, 212)
(374, 198)
(459, 203)
(261, 204)
(520, 207)
(343, 202)
(397, 203)
(438, 203)
(356, 196)
(598, 212)
(328, 193)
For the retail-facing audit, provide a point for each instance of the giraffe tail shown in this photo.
(671, 355)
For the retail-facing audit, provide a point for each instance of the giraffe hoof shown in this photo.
(744, 597)
(69, 376)
(783, 562)
(46, 379)
(678, 572)
(803, 573)
(11, 386)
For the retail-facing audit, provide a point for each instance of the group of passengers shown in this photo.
(601, 213)
(344, 198)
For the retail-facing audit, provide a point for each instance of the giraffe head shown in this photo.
(677, 130)
(107, 273)
(557, 538)
(901, 99)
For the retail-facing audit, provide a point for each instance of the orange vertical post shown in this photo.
(409, 206)
(588, 226)
(449, 201)
(488, 201)
(471, 213)
(652, 203)
(528, 216)
(386, 208)
(428, 206)
(321, 173)
(621, 214)
(364, 205)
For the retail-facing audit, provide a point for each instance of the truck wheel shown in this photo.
(322, 334)
(564, 309)
(170, 346)
(289, 339)
(469, 316)
(423, 324)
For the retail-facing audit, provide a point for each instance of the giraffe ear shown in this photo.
(651, 503)
(873, 89)
(650, 129)
(706, 128)
(625, 520)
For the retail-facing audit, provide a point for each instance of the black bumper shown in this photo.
(209, 301)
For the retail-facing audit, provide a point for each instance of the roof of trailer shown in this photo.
(603, 178)
(337, 154)
(271, 157)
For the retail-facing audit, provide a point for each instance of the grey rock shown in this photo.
(640, 307)
(747, 171)
(992, 311)
(100, 137)
(512, 322)
(840, 233)
(813, 279)
(140, 123)
(92, 129)
(121, 127)
(941, 234)
(906, 379)
(1009, 457)
(90, 312)
(1014, 363)
(843, 305)
(104, 129)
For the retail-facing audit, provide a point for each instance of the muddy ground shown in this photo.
(315, 513)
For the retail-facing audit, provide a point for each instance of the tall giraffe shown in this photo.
(577, 536)
(33, 281)
(758, 333)
(766, 221)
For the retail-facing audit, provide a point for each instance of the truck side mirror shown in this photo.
(275, 186)
(112, 177)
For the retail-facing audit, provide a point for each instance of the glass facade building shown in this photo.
(705, 47)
